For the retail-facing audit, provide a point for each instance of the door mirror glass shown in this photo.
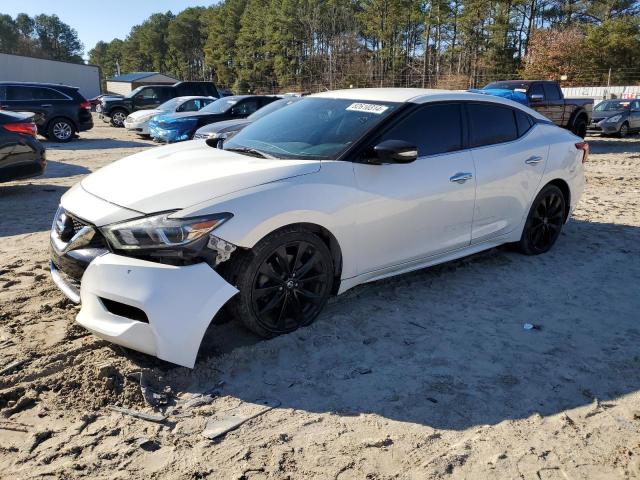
(395, 151)
(536, 97)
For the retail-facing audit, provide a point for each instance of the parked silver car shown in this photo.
(616, 117)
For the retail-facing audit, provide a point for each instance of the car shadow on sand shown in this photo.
(30, 207)
(445, 346)
(97, 144)
(611, 145)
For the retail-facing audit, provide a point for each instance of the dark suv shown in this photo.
(60, 111)
(115, 109)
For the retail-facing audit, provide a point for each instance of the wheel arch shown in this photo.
(576, 115)
(63, 117)
(566, 192)
(328, 238)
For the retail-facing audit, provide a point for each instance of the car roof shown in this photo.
(38, 84)
(421, 95)
(192, 97)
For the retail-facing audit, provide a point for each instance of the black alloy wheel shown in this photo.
(283, 282)
(289, 287)
(544, 222)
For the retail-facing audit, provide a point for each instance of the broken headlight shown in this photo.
(161, 232)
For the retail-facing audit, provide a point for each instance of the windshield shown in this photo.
(318, 128)
(272, 107)
(515, 86)
(133, 93)
(220, 106)
(169, 105)
(612, 105)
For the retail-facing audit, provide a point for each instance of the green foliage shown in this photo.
(44, 36)
(274, 45)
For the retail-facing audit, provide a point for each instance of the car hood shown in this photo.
(609, 113)
(168, 117)
(181, 175)
(224, 126)
(143, 113)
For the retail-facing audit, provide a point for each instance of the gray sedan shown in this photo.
(228, 128)
(616, 117)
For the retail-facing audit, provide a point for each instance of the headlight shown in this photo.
(160, 231)
(614, 119)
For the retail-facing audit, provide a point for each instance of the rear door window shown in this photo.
(552, 92)
(47, 94)
(491, 124)
(434, 129)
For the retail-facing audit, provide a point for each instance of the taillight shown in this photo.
(86, 105)
(26, 128)
(584, 146)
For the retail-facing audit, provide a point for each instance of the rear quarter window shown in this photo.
(491, 124)
(523, 121)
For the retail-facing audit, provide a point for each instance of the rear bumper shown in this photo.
(29, 162)
(178, 303)
(85, 125)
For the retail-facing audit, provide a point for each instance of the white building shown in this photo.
(17, 68)
(123, 84)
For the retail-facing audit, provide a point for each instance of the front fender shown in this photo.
(305, 199)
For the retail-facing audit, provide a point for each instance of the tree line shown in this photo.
(312, 45)
(42, 36)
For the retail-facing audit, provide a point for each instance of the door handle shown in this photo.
(45, 105)
(461, 177)
(534, 160)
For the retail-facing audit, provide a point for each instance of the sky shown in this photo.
(99, 20)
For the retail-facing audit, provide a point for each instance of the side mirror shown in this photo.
(395, 151)
(536, 97)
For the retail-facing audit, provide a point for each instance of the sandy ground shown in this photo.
(428, 375)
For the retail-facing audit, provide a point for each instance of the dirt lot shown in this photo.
(429, 375)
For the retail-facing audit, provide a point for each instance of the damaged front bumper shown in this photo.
(162, 310)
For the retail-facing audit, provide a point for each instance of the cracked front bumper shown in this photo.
(162, 310)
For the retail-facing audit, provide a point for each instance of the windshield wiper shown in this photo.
(250, 151)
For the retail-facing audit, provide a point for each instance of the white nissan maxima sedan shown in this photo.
(338, 189)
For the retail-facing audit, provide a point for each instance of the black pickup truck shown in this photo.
(546, 97)
(114, 109)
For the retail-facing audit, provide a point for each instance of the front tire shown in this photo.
(60, 130)
(624, 130)
(283, 282)
(544, 222)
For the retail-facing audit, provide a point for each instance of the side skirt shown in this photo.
(347, 283)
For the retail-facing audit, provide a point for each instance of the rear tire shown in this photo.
(60, 130)
(580, 127)
(544, 222)
(283, 282)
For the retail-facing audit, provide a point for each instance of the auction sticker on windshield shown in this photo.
(367, 107)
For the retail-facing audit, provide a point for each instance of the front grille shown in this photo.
(77, 224)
